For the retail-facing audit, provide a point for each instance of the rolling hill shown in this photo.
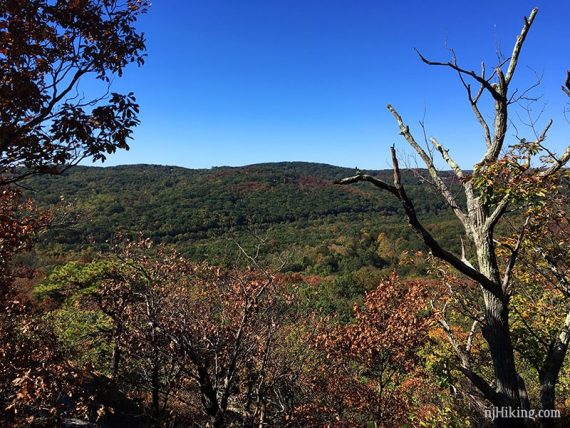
(293, 207)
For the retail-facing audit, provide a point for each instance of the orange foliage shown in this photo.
(20, 222)
(370, 369)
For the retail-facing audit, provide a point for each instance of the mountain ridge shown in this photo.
(296, 205)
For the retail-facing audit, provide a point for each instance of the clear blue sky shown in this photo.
(235, 82)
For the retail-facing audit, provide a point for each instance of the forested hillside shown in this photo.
(294, 208)
(287, 294)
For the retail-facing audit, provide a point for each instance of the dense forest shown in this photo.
(295, 209)
(271, 295)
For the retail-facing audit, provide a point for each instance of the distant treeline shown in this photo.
(294, 207)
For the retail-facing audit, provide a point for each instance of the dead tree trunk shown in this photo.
(479, 218)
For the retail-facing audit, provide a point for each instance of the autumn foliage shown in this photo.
(139, 335)
(198, 342)
(46, 49)
(20, 224)
(219, 347)
(370, 369)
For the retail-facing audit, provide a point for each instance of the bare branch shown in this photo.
(513, 258)
(479, 116)
(473, 100)
(497, 212)
(55, 99)
(484, 82)
(518, 45)
(469, 343)
(483, 386)
(540, 138)
(365, 177)
(465, 367)
(463, 258)
(554, 269)
(461, 353)
(445, 155)
(428, 239)
(424, 135)
(558, 163)
(515, 98)
(441, 186)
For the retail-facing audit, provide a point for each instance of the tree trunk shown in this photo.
(155, 386)
(209, 398)
(548, 396)
(497, 334)
(116, 357)
(549, 377)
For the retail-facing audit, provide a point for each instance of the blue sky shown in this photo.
(235, 82)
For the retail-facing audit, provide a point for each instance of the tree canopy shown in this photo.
(47, 48)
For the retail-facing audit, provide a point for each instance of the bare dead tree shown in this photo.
(479, 217)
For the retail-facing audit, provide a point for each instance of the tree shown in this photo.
(370, 371)
(499, 184)
(204, 344)
(226, 329)
(46, 49)
(47, 124)
(541, 315)
(20, 223)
